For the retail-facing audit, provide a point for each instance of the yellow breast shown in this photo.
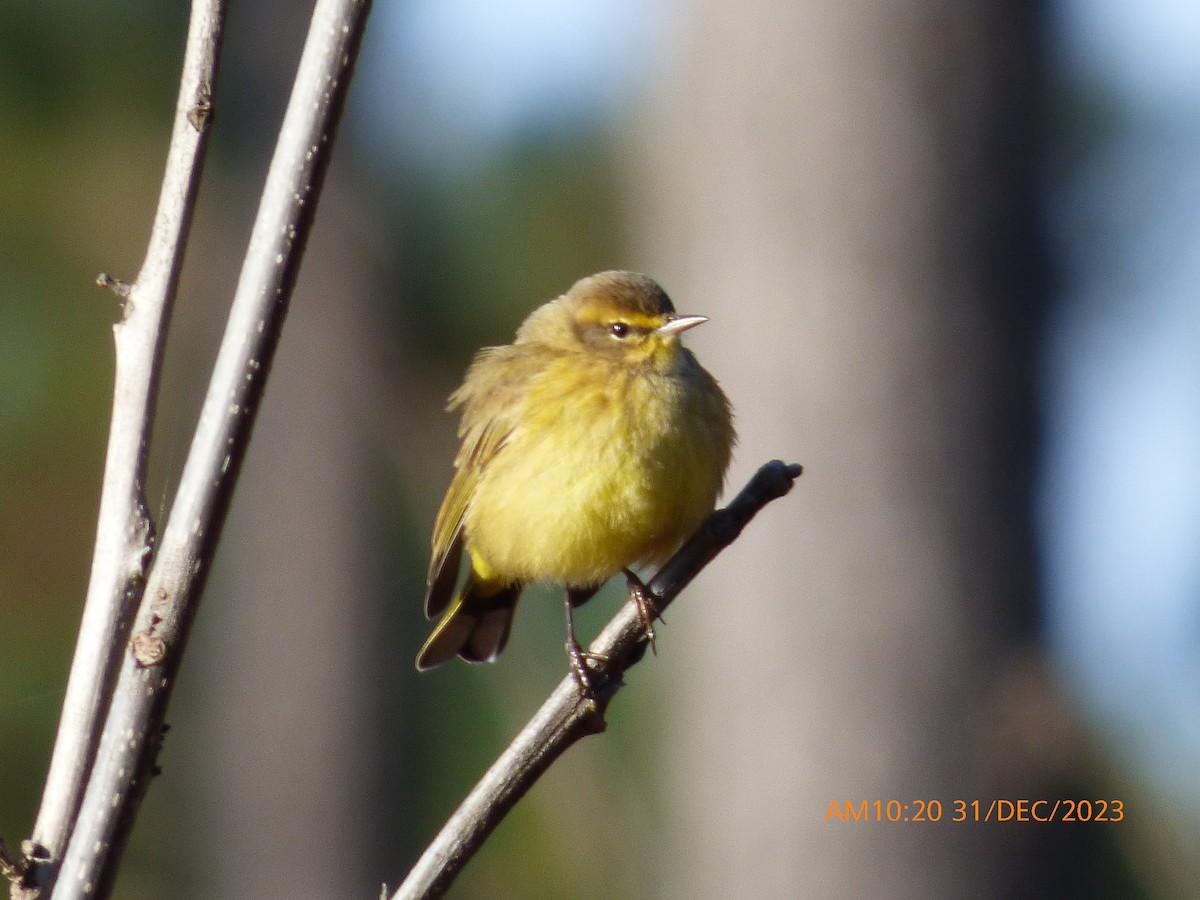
(600, 478)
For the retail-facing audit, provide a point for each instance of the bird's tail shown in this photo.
(474, 626)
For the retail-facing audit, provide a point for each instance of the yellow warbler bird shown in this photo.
(592, 443)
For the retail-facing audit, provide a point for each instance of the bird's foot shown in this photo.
(584, 674)
(647, 610)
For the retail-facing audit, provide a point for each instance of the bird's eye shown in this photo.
(619, 330)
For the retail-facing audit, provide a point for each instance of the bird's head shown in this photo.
(619, 315)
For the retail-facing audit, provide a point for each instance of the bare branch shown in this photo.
(567, 715)
(132, 732)
(124, 532)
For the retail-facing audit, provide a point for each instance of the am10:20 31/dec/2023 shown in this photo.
(996, 810)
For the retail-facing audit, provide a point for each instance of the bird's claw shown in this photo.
(584, 674)
(647, 610)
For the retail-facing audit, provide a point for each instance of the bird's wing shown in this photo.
(491, 399)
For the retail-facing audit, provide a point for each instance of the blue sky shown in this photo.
(1121, 496)
(459, 76)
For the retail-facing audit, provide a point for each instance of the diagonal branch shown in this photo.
(132, 732)
(124, 532)
(566, 716)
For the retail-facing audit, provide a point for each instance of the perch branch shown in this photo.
(132, 732)
(567, 715)
(124, 532)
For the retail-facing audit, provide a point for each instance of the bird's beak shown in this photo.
(680, 324)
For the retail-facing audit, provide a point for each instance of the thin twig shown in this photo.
(124, 533)
(567, 715)
(132, 733)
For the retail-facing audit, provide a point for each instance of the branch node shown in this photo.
(12, 869)
(34, 852)
(200, 116)
(121, 288)
(593, 721)
(160, 603)
(148, 649)
(20, 871)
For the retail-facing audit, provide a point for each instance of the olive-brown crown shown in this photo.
(628, 292)
(613, 304)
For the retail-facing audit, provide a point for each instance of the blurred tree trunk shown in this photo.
(280, 752)
(847, 190)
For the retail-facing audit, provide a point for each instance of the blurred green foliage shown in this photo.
(480, 248)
